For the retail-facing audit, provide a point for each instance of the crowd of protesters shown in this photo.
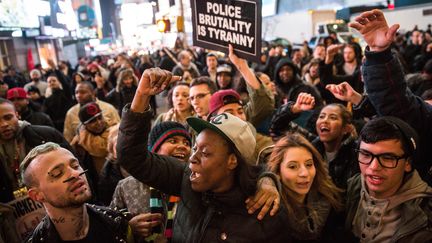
(330, 144)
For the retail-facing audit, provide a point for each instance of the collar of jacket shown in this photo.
(46, 231)
(230, 199)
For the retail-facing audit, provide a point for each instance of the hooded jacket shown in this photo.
(294, 87)
(404, 217)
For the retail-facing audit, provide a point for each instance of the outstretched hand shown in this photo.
(375, 30)
(344, 92)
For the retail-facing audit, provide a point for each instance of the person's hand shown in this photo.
(155, 80)
(51, 64)
(100, 81)
(304, 102)
(375, 30)
(237, 61)
(266, 196)
(142, 224)
(272, 52)
(345, 92)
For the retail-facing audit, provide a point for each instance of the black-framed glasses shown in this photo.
(197, 97)
(386, 160)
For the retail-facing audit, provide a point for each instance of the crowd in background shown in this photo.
(319, 93)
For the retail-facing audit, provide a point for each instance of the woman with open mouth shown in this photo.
(308, 193)
(335, 137)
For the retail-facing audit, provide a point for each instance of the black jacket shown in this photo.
(115, 223)
(36, 118)
(387, 91)
(200, 217)
(293, 88)
(120, 99)
(34, 136)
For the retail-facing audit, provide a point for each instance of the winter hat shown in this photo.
(222, 98)
(224, 68)
(89, 112)
(14, 93)
(163, 131)
(231, 128)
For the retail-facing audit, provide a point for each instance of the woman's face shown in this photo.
(329, 125)
(313, 70)
(180, 98)
(297, 172)
(128, 81)
(78, 79)
(176, 146)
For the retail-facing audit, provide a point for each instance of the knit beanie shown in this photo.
(164, 131)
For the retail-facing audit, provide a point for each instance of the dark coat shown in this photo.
(36, 118)
(200, 217)
(120, 98)
(34, 136)
(115, 223)
(293, 88)
(387, 91)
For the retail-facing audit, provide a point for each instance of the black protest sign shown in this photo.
(217, 23)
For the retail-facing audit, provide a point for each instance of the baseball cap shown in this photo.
(14, 93)
(224, 68)
(231, 128)
(89, 112)
(223, 97)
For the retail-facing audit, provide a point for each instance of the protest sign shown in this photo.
(217, 23)
(28, 214)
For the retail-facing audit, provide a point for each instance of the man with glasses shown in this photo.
(388, 201)
(201, 89)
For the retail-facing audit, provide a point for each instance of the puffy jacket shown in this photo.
(388, 93)
(200, 217)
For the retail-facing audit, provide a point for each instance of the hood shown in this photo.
(282, 62)
(412, 187)
(21, 126)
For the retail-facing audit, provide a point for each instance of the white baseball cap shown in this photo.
(232, 129)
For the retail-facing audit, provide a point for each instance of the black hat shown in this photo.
(89, 112)
(164, 130)
(33, 89)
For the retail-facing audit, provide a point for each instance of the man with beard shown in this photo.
(27, 110)
(84, 93)
(91, 140)
(16, 139)
(289, 84)
(55, 178)
(36, 80)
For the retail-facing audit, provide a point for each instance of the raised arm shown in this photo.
(161, 172)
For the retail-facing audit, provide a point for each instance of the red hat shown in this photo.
(222, 98)
(16, 93)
